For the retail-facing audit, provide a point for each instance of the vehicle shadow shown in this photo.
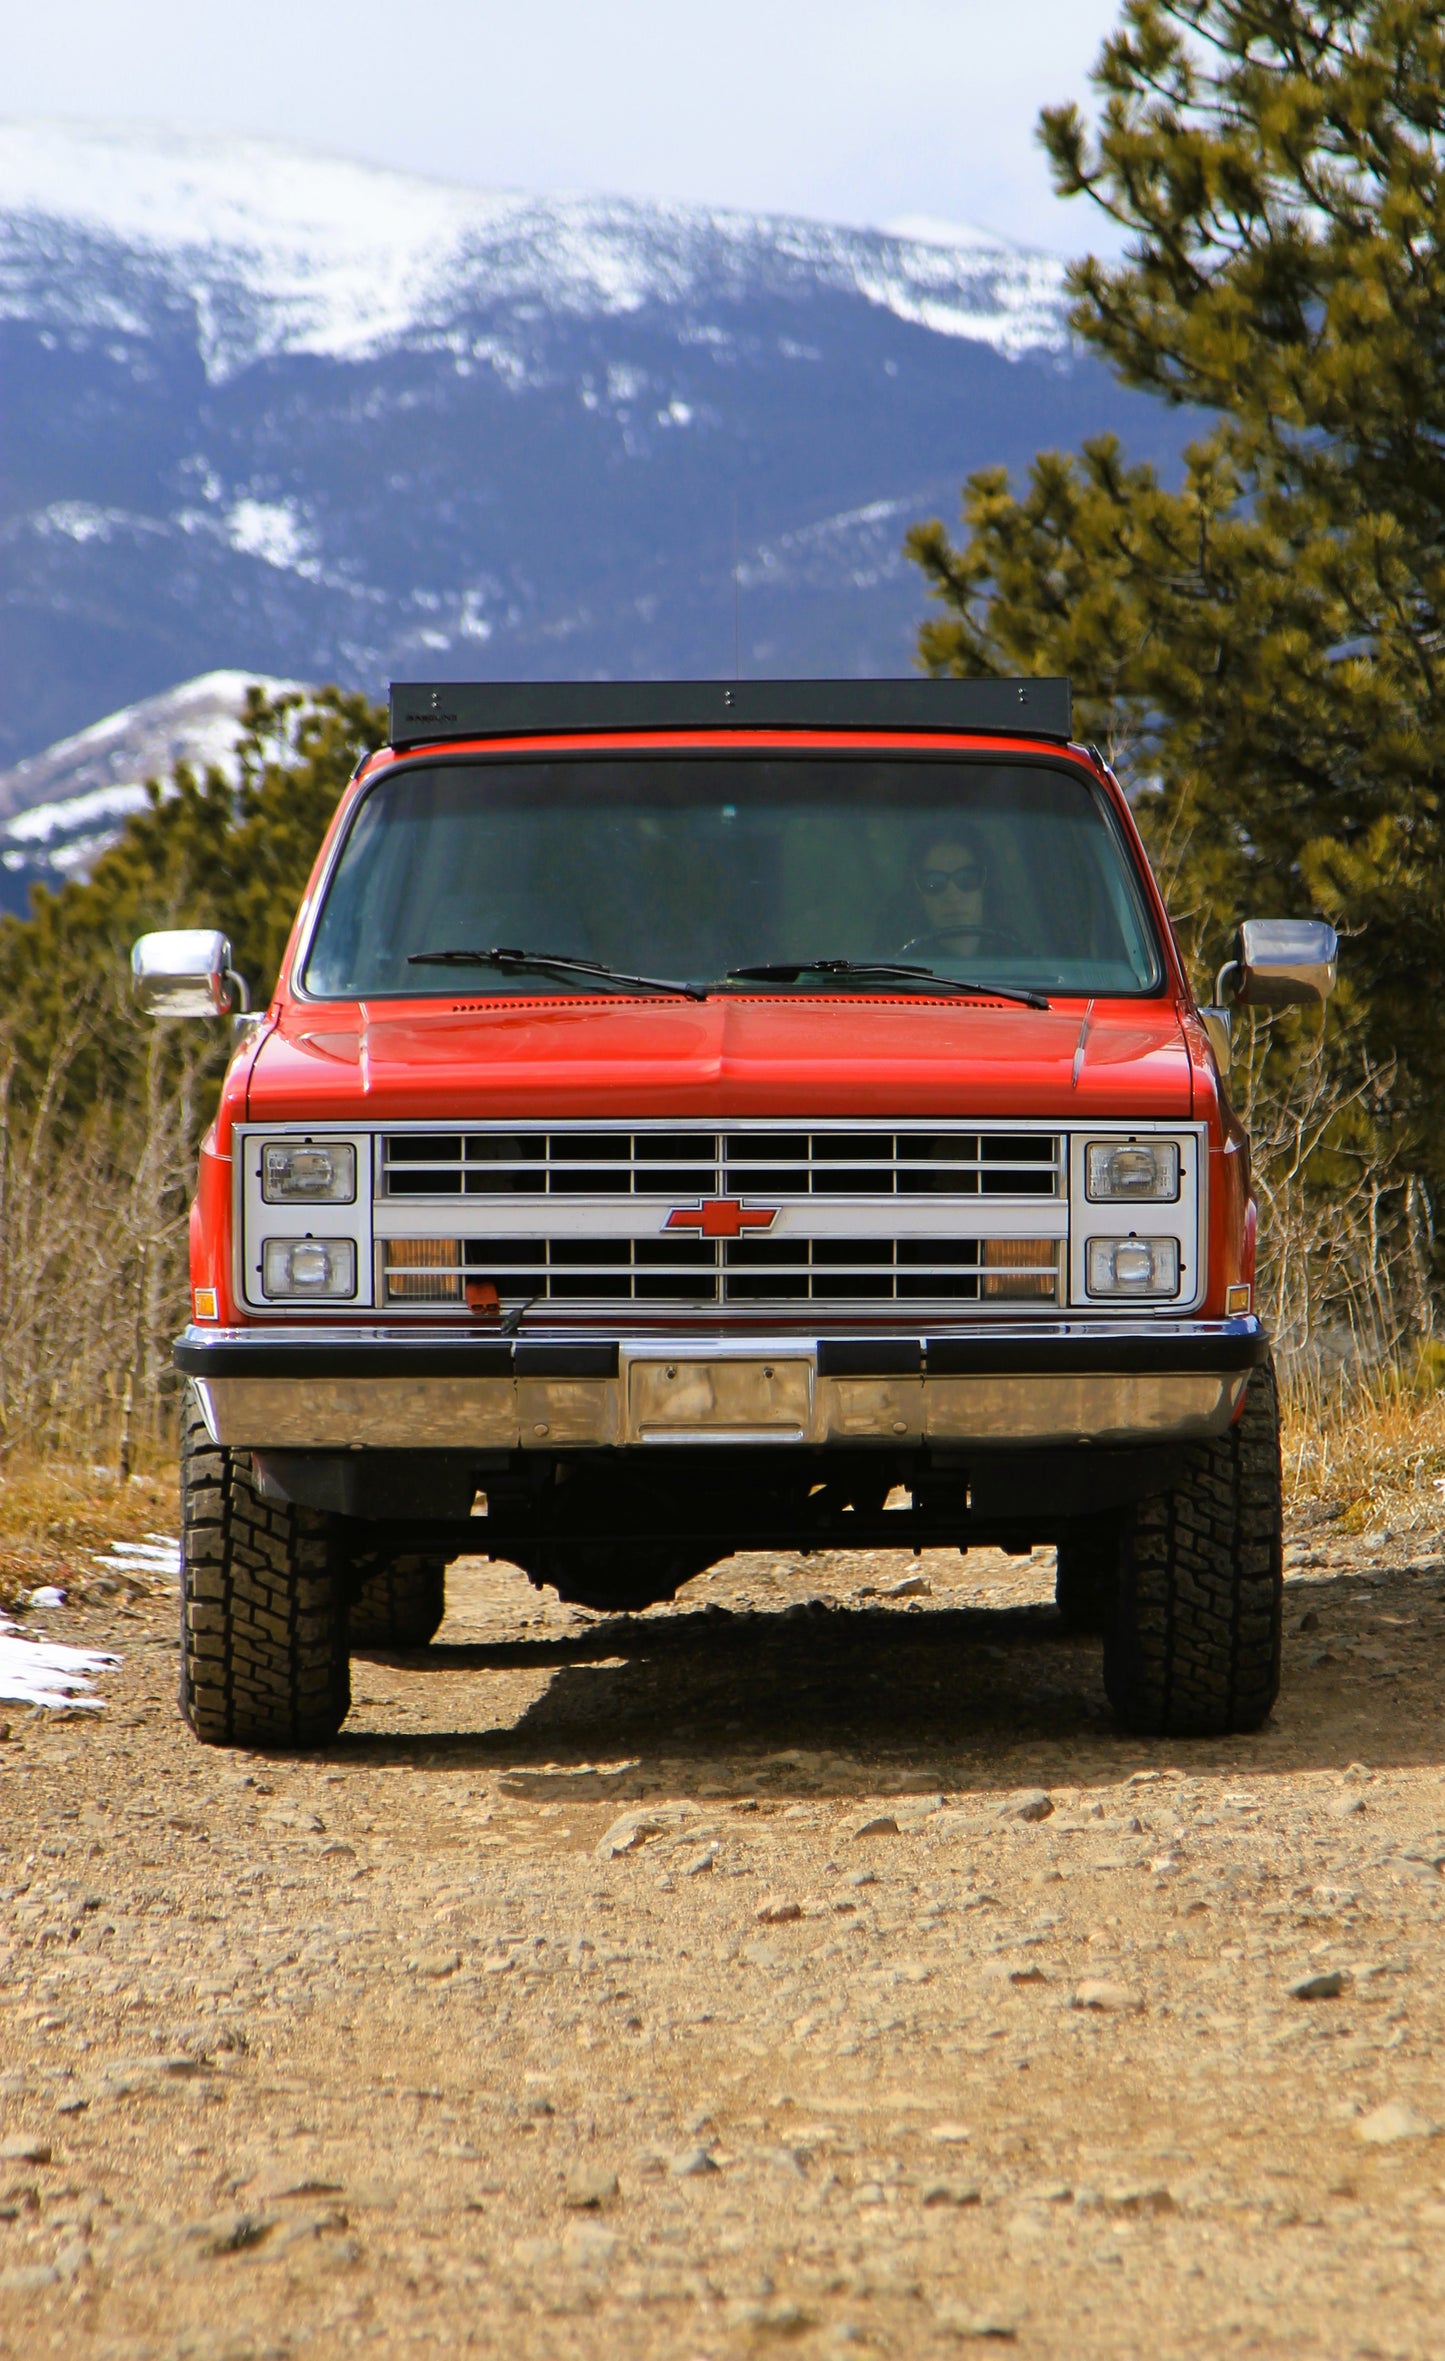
(946, 1696)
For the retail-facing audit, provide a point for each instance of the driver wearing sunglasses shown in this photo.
(950, 880)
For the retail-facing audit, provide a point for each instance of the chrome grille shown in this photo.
(685, 1163)
(745, 1270)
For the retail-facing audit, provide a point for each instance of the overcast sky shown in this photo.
(848, 110)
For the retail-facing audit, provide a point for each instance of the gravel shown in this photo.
(721, 1980)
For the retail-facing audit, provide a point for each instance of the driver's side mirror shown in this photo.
(187, 972)
(1277, 963)
(1281, 963)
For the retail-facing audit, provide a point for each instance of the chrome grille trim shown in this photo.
(926, 1159)
(661, 1270)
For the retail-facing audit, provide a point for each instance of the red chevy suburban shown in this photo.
(690, 1116)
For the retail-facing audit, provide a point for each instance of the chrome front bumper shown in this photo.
(1065, 1382)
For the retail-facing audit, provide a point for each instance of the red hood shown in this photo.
(746, 1056)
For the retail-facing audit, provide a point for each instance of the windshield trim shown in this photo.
(1075, 767)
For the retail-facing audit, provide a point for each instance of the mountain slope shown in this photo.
(282, 252)
(60, 808)
(265, 409)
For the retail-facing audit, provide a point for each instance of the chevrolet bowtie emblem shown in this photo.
(721, 1217)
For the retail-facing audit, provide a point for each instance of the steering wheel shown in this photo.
(991, 942)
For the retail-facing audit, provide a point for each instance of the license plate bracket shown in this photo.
(692, 1398)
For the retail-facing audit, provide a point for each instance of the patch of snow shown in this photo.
(158, 1555)
(472, 623)
(271, 530)
(81, 521)
(860, 546)
(74, 811)
(76, 859)
(38, 1672)
(961, 237)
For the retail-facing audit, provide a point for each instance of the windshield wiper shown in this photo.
(551, 962)
(876, 971)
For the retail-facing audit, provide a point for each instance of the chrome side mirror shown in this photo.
(187, 972)
(1281, 963)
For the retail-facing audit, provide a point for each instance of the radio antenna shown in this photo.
(737, 600)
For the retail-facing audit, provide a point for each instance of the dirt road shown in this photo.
(906, 2005)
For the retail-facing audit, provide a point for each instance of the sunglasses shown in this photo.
(964, 880)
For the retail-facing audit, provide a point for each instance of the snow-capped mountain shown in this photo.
(282, 252)
(266, 408)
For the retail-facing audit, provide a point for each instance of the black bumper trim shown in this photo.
(1238, 1346)
(564, 1360)
(1179, 1355)
(891, 1356)
(267, 1357)
(847, 1356)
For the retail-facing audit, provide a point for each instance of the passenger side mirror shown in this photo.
(1281, 963)
(187, 972)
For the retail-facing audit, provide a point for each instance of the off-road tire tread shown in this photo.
(263, 1615)
(1194, 1650)
(400, 1603)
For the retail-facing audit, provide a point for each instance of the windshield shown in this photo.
(689, 866)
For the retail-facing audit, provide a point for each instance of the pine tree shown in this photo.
(1262, 645)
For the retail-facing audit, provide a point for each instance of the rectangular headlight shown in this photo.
(1146, 1171)
(308, 1172)
(301, 1270)
(1133, 1266)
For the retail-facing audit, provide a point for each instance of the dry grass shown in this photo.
(93, 1222)
(1369, 1457)
(55, 1513)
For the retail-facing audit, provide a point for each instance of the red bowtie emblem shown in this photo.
(721, 1217)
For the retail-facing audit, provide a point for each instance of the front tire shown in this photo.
(263, 1609)
(1194, 1648)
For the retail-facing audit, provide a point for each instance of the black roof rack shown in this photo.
(423, 711)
